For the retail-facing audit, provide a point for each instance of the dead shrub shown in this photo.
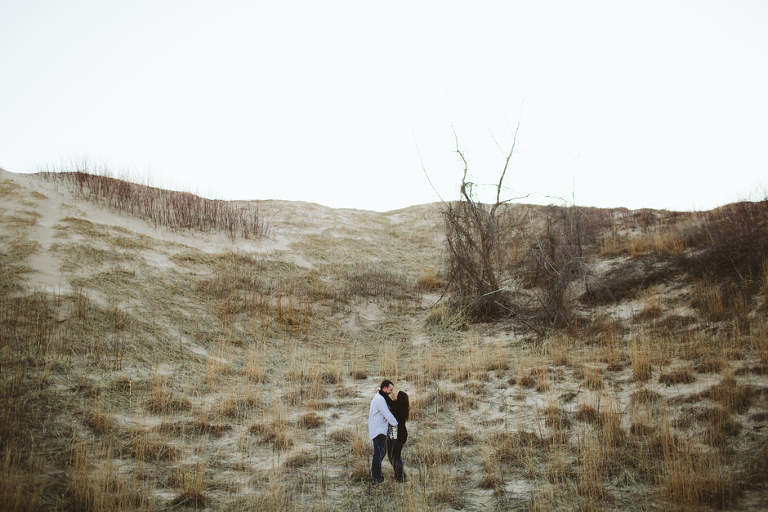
(645, 397)
(444, 486)
(710, 365)
(430, 280)
(534, 378)
(695, 481)
(663, 443)
(100, 422)
(641, 430)
(376, 282)
(299, 459)
(642, 369)
(273, 433)
(732, 396)
(555, 260)
(460, 399)
(681, 375)
(342, 436)
(167, 404)
(310, 420)
(626, 281)
(735, 239)
(439, 401)
(190, 498)
(475, 238)
(648, 313)
(589, 414)
(721, 301)
(191, 481)
(526, 380)
(194, 428)
(593, 379)
(556, 418)
(730, 263)
(491, 479)
(518, 448)
(720, 425)
(757, 465)
(150, 449)
(431, 450)
(239, 407)
(462, 436)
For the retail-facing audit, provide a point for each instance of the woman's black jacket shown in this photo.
(399, 413)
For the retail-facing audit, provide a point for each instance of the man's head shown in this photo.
(387, 386)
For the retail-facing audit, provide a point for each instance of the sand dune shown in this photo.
(145, 367)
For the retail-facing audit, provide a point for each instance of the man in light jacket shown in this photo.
(379, 418)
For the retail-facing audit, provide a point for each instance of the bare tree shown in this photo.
(502, 261)
(476, 238)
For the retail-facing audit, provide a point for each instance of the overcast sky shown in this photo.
(619, 103)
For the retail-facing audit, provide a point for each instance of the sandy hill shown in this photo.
(152, 360)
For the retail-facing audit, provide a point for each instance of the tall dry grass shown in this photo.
(231, 382)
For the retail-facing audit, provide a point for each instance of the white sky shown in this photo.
(660, 104)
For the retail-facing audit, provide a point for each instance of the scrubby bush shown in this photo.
(735, 243)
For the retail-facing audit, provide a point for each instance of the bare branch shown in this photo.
(418, 152)
(464, 183)
(506, 166)
(501, 262)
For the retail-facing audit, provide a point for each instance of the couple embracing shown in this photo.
(386, 427)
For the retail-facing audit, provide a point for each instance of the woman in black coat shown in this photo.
(400, 410)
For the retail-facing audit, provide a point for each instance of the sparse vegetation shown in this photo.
(167, 208)
(185, 375)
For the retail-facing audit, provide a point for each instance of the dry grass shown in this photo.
(695, 480)
(642, 236)
(240, 379)
(641, 364)
(734, 397)
(680, 375)
(431, 280)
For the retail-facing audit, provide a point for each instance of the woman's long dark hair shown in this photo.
(403, 403)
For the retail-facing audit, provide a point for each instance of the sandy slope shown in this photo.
(291, 221)
(454, 377)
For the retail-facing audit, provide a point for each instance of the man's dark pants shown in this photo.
(379, 450)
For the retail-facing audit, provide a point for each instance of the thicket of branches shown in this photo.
(508, 261)
(477, 239)
(554, 260)
(735, 242)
